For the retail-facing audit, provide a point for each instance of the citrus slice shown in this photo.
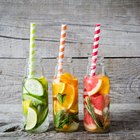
(58, 88)
(105, 88)
(67, 75)
(34, 87)
(97, 83)
(70, 97)
(98, 103)
(57, 106)
(35, 101)
(31, 119)
(89, 124)
(25, 106)
(74, 109)
(44, 81)
(72, 127)
(69, 79)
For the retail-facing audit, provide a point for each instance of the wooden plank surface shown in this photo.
(124, 75)
(125, 124)
(120, 27)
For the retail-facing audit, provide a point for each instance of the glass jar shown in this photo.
(35, 99)
(96, 99)
(65, 98)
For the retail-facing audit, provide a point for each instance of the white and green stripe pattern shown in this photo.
(32, 50)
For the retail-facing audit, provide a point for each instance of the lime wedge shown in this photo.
(44, 81)
(25, 106)
(31, 119)
(35, 101)
(34, 87)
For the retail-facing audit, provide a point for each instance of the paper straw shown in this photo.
(32, 50)
(95, 50)
(61, 49)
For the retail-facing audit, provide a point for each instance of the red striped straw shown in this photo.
(61, 49)
(95, 50)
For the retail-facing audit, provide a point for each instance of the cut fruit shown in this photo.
(34, 87)
(72, 127)
(57, 106)
(70, 97)
(88, 121)
(24, 91)
(69, 79)
(74, 108)
(25, 106)
(66, 75)
(44, 81)
(98, 102)
(105, 88)
(31, 119)
(35, 101)
(90, 127)
(96, 85)
(58, 88)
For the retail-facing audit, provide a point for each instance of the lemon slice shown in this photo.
(25, 106)
(31, 119)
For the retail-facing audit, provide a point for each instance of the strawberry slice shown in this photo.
(98, 102)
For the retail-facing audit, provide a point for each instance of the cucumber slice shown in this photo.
(31, 119)
(34, 87)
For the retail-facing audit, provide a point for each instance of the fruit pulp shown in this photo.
(35, 104)
(65, 103)
(96, 103)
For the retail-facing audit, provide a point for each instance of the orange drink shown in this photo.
(65, 102)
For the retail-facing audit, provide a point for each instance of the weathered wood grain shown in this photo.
(120, 27)
(124, 75)
(125, 120)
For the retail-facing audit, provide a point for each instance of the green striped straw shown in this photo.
(32, 50)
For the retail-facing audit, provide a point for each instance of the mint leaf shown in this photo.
(58, 118)
(61, 98)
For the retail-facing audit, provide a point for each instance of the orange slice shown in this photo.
(74, 108)
(70, 97)
(57, 106)
(96, 88)
(58, 88)
(105, 88)
(69, 79)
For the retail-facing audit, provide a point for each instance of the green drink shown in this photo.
(35, 104)
(35, 92)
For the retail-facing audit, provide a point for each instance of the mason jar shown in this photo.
(65, 98)
(96, 98)
(35, 99)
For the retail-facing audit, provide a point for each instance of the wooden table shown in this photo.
(125, 124)
(119, 43)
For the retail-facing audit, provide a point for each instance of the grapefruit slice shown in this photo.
(98, 102)
(92, 85)
(88, 121)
